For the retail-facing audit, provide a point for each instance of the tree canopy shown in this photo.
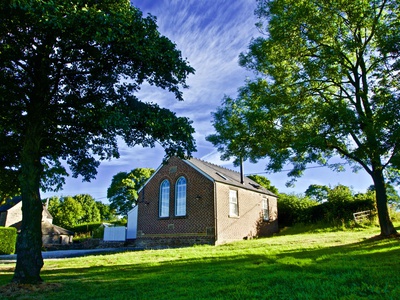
(71, 211)
(69, 73)
(326, 85)
(123, 190)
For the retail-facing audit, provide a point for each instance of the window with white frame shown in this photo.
(180, 197)
(233, 204)
(164, 199)
(265, 209)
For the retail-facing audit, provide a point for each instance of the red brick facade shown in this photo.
(207, 218)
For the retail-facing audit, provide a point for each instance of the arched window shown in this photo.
(164, 199)
(180, 197)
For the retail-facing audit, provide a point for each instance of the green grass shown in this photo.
(322, 265)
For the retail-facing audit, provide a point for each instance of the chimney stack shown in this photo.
(241, 171)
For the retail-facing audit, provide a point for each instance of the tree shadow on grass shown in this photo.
(345, 271)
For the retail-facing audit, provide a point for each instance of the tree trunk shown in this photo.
(385, 223)
(29, 241)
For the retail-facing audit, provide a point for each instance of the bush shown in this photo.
(8, 239)
(87, 227)
(294, 209)
(336, 213)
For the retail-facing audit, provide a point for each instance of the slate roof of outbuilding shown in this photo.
(51, 229)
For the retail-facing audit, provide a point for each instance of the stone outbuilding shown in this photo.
(11, 216)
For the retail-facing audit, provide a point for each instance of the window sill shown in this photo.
(233, 217)
(180, 217)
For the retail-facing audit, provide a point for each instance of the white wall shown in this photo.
(132, 223)
(115, 234)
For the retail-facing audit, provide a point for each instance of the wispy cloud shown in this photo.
(211, 35)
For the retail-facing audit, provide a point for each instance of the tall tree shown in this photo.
(106, 213)
(69, 71)
(90, 209)
(327, 84)
(317, 192)
(66, 211)
(123, 191)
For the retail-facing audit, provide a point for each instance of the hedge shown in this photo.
(8, 239)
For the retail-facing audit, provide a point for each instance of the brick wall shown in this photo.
(198, 224)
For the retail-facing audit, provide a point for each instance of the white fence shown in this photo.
(115, 234)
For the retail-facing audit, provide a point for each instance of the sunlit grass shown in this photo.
(323, 265)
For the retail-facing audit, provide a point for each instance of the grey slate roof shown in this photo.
(227, 176)
(51, 229)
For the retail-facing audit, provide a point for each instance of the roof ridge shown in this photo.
(202, 160)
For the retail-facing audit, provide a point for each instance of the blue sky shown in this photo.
(210, 35)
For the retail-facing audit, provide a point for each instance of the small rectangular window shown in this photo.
(265, 209)
(233, 204)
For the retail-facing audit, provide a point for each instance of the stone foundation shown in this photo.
(172, 242)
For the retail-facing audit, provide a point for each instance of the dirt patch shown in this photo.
(16, 290)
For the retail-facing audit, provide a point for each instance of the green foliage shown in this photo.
(8, 239)
(317, 192)
(70, 212)
(106, 213)
(340, 194)
(340, 213)
(86, 227)
(293, 209)
(91, 210)
(264, 182)
(70, 71)
(326, 86)
(337, 210)
(115, 42)
(123, 191)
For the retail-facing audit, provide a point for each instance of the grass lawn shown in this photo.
(319, 265)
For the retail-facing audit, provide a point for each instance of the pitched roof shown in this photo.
(51, 229)
(224, 175)
(48, 229)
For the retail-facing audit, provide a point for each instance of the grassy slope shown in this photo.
(325, 265)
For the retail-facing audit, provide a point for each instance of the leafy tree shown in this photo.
(340, 193)
(68, 213)
(91, 211)
(123, 191)
(69, 71)
(317, 192)
(106, 213)
(80, 209)
(264, 182)
(326, 85)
